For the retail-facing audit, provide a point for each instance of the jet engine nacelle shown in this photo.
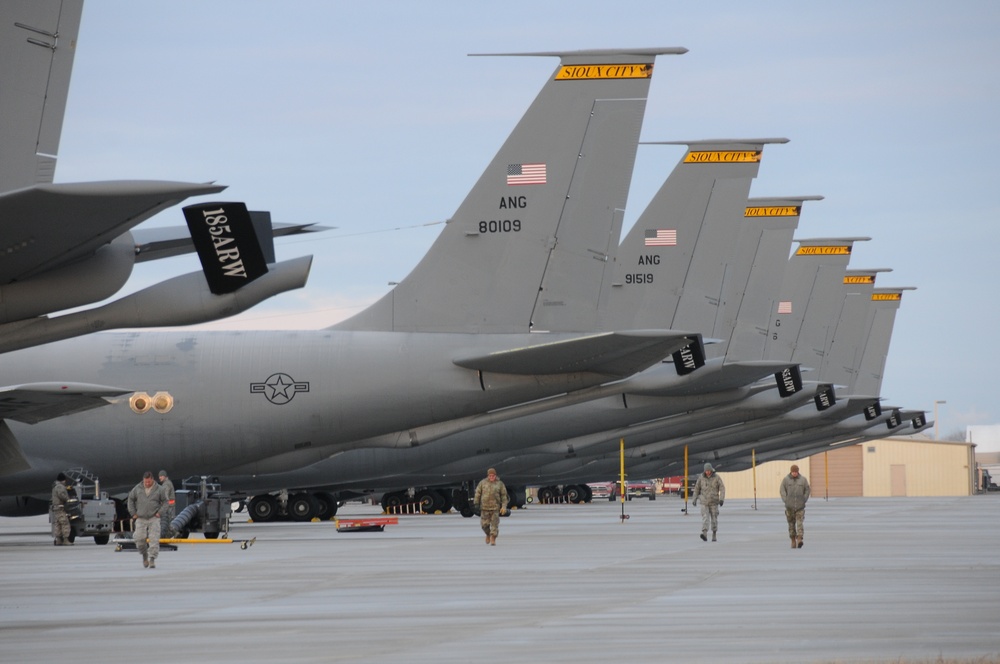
(22, 506)
(84, 282)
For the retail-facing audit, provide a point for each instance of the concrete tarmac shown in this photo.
(878, 580)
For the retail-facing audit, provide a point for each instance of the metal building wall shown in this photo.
(768, 476)
(838, 473)
(925, 468)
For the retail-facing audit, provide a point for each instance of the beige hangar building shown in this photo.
(884, 467)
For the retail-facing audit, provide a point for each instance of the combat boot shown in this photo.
(793, 543)
(487, 539)
(493, 540)
(152, 563)
(713, 536)
(704, 538)
(145, 560)
(800, 543)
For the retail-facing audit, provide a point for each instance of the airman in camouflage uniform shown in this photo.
(60, 519)
(146, 502)
(168, 514)
(795, 493)
(491, 499)
(710, 490)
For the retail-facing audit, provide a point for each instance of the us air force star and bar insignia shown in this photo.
(279, 388)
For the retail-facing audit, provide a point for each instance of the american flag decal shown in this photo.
(661, 237)
(526, 174)
(785, 307)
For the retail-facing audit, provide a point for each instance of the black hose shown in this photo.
(185, 517)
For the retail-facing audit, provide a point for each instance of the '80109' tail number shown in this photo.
(500, 226)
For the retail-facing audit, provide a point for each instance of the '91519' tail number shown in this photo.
(634, 278)
(501, 226)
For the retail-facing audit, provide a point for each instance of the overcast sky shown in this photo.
(369, 117)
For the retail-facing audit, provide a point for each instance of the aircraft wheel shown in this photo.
(588, 493)
(102, 539)
(391, 502)
(446, 501)
(211, 535)
(573, 494)
(263, 508)
(546, 494)
(428, 500)
(302, 507)
(327, 505)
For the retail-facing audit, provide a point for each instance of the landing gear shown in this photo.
(302, 507)
(327, 505)
(463, 503)
(393, 501)
(264, 508)
(430, 501)
(574, 493)
(549, 494)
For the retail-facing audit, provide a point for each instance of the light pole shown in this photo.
(936, 418)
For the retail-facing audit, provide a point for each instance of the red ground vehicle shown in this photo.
(675, 484)
(602, 490)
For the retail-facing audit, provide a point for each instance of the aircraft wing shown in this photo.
(615, 353)
(50, 225)
(32, 403)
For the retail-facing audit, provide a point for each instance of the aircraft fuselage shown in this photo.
(205, 401)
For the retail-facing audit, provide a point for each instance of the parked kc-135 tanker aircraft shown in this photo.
(525, 339)
(484, 285)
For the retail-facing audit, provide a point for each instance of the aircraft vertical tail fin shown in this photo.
(843, 358)
(766, 240)
(687, 225)
(885, 304)
(802, 320)
(539, 222)
(37, 45)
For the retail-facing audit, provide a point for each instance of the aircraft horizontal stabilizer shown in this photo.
(165, 242)
(617, 354)
(36, 402)
(728, 376)
(67, 222)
